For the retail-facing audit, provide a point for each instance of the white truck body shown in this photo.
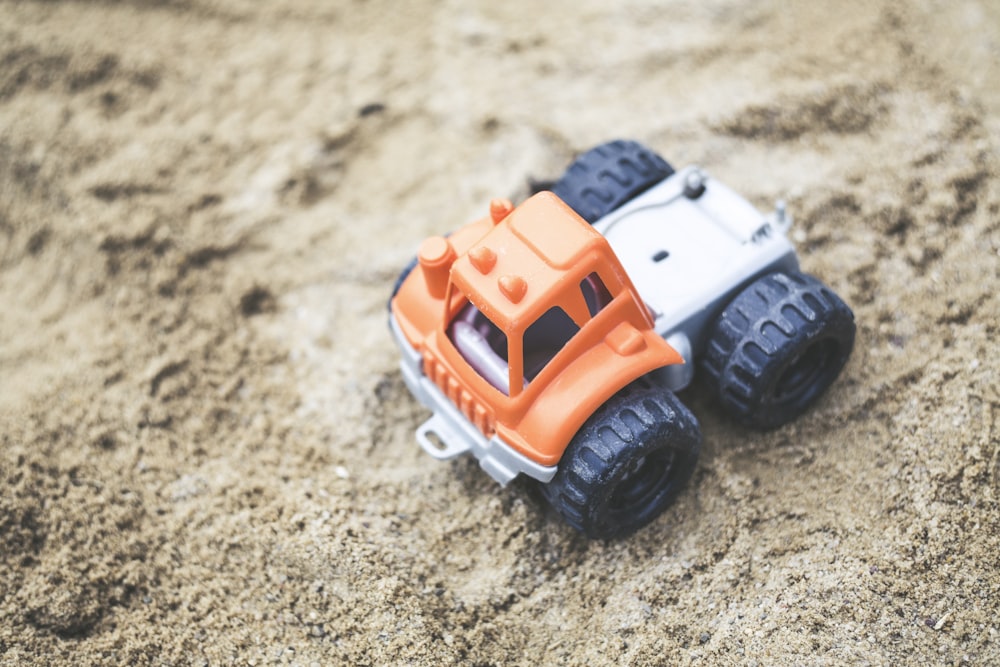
(689, 255)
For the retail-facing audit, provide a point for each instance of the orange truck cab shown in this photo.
(517, 328)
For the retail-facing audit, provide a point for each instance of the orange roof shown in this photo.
(512, 272)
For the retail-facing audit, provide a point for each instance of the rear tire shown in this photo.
(627, 463)
(607, 176)
(777, 347)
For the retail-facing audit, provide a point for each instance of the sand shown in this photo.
(206, 450)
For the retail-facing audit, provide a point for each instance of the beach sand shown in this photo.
(206, 447)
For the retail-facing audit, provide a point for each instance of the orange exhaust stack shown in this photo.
(436, 255)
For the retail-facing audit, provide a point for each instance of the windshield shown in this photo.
(486, 348)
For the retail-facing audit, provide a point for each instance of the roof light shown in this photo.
(500, 209)
(512, 287)
(483, 258)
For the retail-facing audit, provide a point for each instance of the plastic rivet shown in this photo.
(513, 287)
(483, 259)
(500, 209)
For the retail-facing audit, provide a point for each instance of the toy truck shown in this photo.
(550, 339)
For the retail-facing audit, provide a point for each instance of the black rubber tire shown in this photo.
(627, 463)
(607, 176)
(777, 347)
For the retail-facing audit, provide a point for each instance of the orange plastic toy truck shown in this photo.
(549, 339)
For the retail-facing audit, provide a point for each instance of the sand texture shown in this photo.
(206, 447)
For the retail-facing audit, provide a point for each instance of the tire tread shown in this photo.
(605, 177)
(617, 426)
(758, 326)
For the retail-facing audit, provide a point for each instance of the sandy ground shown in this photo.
(206, 454)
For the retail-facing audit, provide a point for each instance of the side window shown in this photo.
(595, 293)
(544, 338)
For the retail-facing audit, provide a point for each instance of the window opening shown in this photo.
(595, 293)
(483, 345)
(544, 338)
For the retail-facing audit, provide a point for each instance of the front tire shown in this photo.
(627, 463)
(777, 347)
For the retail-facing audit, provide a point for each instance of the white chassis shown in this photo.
(689, 244)
(715, 244)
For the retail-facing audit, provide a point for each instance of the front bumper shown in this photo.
(448, 433)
